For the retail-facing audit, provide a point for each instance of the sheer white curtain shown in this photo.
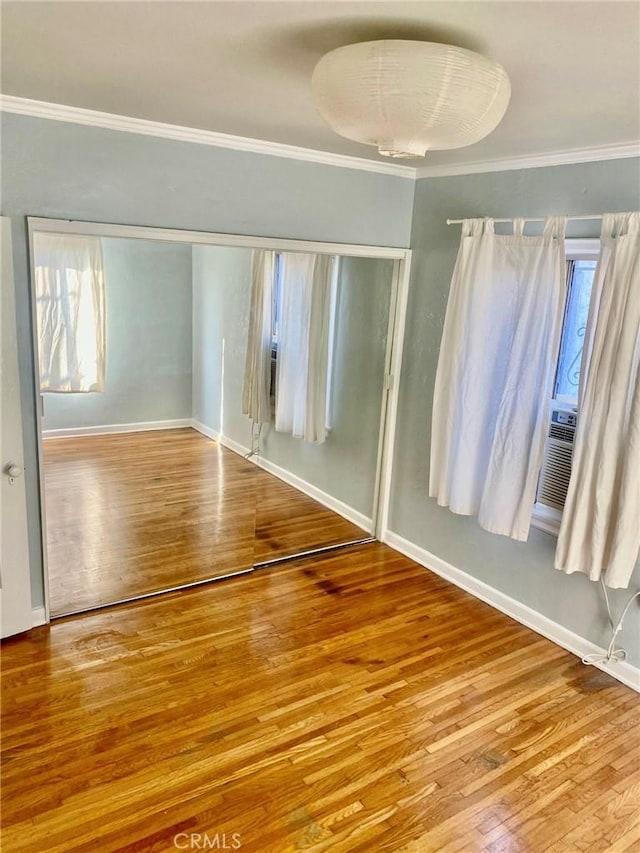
(600, 528)
(257, 374)
(495, 373)
(70, 311)
(303, 346)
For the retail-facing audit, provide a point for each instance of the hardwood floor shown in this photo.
(132, 514)
(353, 703)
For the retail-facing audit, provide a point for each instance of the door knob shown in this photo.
(12, 471)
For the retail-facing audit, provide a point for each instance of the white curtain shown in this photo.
(70, 311)
(303, 346)
(495, 373)
(257, 374)
(600, 528)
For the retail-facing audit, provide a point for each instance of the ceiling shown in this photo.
(244, 68)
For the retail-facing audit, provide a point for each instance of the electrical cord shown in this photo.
(255, 440)
(606, 599)
(612, 654)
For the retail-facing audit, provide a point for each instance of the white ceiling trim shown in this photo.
(533, 161)
(110, 121)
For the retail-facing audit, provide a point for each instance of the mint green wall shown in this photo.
(148, 341)
(207, 342)
(221, 296)
(523, 571)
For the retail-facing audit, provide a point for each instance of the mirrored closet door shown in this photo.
(336, 467)
(206, 408)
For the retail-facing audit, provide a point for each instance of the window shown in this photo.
(70, 312)
(579, 281)
(563, 415)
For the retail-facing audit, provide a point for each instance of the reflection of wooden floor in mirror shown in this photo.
(288, 522)
(132, 514)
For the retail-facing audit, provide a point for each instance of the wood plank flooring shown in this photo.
(132, 514)
(351, 704)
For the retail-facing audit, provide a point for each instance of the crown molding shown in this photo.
(110, 121)
(533, 161)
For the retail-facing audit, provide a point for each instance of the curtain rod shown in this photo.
(526, 218)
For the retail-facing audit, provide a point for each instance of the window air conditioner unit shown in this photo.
(558, 453)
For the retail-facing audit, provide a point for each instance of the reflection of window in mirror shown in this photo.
(276, 312)
(275, 331)
(70, 312)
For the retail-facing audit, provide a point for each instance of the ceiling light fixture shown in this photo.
(409, 97)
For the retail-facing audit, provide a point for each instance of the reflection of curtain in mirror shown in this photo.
(257, 373)
(70, 309)
(303, 346)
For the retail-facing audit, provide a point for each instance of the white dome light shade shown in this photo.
(408, 97)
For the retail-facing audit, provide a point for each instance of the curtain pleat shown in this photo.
(600, 528)
(70, 312)
(256, 401)
(303, 341)
(315, 429)
(495, 373)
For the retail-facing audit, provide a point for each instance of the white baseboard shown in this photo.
(115, 429)
(343, 509)
(205, 430)
(38, 617)
(622, 671)
(238, 448)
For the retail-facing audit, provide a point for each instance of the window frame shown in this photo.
(544, 517)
